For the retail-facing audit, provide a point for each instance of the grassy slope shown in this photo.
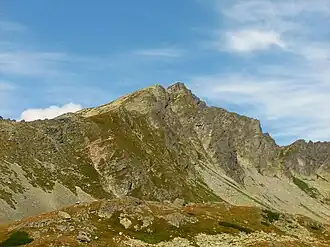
(208, 218)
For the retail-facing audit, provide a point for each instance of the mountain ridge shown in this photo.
(158, 144)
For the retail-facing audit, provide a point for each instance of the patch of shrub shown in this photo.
(312, 192)
(235, 226)
(265, 223)
(270, 215)
(18, 238)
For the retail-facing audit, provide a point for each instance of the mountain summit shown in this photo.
(158, 144)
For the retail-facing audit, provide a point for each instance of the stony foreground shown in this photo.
(133, 222)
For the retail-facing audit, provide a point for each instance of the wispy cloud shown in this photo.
(7, 93)
(54, 77)
(160, 52)
(49, 112)
(10, 26)
(6, 86)
(252, 40)
(21, 63)
(275, 101)
(279, 15)
(37, 70)
(263, 24)
(288, 91)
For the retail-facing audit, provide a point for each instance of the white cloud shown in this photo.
(292, 108)
(19, 57)
(161, 52)
(251, 40)
(253, 25)
(50, 112)
(289, 92)
(266, 9)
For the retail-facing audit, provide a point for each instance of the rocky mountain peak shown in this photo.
(178, 87)
(181, 96)
(158, 144)
(145, 100)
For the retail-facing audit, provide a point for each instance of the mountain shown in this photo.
(158, 144)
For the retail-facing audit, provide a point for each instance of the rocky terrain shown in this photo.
(158, 144)
(132, 222)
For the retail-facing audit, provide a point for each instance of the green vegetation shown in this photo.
(161, 231)
(18, 238)
(7, 197)
(235, 226)
(316, 227)
(200, 218)
(312, 192)
(208, 218)
(326, 201)
(152, 238)
(265, 223)
(270, 216)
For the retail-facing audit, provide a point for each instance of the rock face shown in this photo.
(158, 144)
(83, 237)
(64, 215)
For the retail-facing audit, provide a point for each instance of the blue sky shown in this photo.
(266, 59)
